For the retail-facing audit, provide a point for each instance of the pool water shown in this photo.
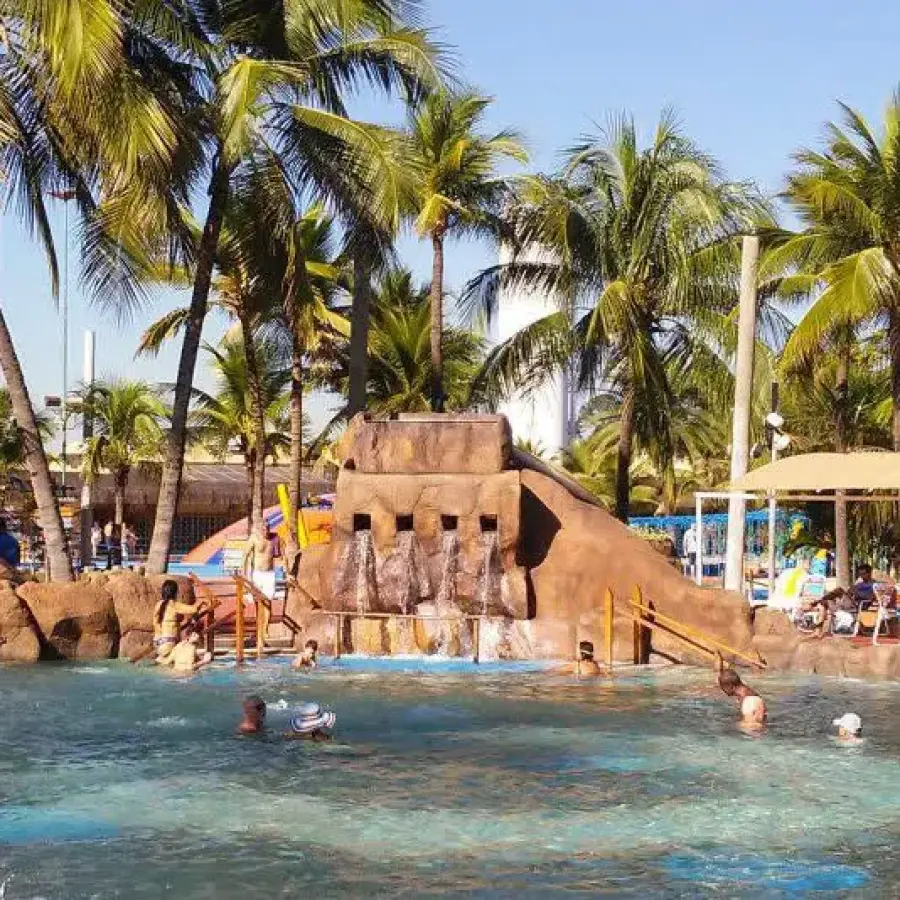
(444, 779)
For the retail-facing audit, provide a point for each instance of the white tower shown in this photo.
(542, 416)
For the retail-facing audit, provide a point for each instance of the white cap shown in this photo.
(849, 722)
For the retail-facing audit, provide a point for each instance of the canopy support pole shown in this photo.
(698, 529)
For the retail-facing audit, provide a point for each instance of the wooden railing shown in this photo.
(646, 618)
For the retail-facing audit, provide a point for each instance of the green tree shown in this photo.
(127, 417)
(228, 417)
(76, 115)
(459, 189)
(639, 246)
(848, 197)
(273, 84)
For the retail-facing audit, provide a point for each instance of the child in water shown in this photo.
(254, 721)
(752, 706)
(306, 659)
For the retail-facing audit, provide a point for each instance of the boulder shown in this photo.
(74, 621)
(428, 443)
(771, 622)
(20, 638)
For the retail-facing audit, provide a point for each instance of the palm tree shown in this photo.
(399, 370)
(127, 417)
(261, 83)
(458, 187)
(84, 117)
(848, 196)
(639, 246)
(229, 416)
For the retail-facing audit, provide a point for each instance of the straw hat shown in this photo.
(311, 717)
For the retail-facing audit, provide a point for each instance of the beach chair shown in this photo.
(878, 617)
(813, 589)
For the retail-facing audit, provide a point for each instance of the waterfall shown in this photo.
(491, 574)
(412, 585)
(445, 601)
(366, 581)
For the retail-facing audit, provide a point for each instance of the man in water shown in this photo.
(9, 546)
(849, 727)
(312, 723)
(187, 656)
(752, 706)
(254, 720)
(585, 665)
(306, 658)
(259, 568)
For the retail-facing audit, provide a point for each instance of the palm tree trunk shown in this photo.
(296, 432)
(841, 539)
(250, 468)
(170, 485)
(437, 322)
(623, 462)
(359, 334)
(119, 498)
(894, 343)
(35, 459)
(257, 401)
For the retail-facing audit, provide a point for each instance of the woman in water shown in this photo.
(167, 618)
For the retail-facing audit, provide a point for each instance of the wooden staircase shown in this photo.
(232, 629)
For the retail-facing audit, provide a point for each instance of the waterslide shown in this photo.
(317, 521)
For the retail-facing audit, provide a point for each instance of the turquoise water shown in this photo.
(445, 779)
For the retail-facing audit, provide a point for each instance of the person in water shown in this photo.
(187, 655)
(254, 721)
(312, 723)
(167, 618)
(307, 657)
(585, 665)
(752, 706)
(849, 727)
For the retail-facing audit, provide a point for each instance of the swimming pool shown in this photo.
(496, 781)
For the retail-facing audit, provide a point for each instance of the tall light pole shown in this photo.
(65, 196)
(743, 395)
(86, 513)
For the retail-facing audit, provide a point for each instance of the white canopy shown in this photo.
(872, 471)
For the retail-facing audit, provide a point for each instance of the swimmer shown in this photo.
(187, 657)
(312, 723)
(585, 665)
(849, 728)
(254, 720)
(752, 706)
(167, 617)
(306, 659)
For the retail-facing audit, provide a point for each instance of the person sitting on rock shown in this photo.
(254, 721)
(585, 665)
(187, 655)
(167, 618)
(306, 658)
(752, 707)
(312, 723)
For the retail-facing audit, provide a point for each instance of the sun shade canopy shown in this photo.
(825, 472)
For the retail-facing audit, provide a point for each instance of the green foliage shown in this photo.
(223, 421)
(128, 419)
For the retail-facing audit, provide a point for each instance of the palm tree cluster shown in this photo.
(209, 145)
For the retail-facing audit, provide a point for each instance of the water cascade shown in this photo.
(452, 638)
(490, 577)
(355, 573)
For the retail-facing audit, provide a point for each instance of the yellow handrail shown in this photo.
(691, 635)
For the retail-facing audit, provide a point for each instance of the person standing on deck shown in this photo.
(259, 569)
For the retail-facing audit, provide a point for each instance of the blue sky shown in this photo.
(750, 88)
